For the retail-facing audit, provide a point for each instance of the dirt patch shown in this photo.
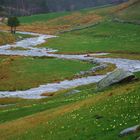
(48, 94)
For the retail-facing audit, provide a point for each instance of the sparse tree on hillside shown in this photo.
(13, 22)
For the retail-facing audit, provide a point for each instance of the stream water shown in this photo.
(35, 93)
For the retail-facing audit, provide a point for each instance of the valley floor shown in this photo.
(77, 113)
(42, 94)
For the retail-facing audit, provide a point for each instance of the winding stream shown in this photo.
(35, 93)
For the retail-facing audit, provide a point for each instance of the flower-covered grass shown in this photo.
(89, 114)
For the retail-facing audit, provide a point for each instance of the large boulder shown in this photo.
(119, 75)
(130, 130)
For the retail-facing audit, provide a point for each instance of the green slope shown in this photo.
(104, 37)
(81, 116)
(42, 17)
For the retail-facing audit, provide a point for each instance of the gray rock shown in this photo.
(83, 72)
(130, 130)
(119, 75)
(94, 69)
(101, 67)
(93, 61)
(1, 106)
(138, 138)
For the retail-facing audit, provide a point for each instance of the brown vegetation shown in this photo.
(59, 24)
(124, 5)
(6, 38)
(62, 23)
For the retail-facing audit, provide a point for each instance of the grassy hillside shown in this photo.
(128, 10)
(130, 13)
(85, 115)
(52, 23)
(59, 15)
(104, 37)
(61, 23)
(41, 17)
(89, 114)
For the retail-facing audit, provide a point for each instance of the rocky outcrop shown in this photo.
(101, 67)
(92, 70)
(116, 76)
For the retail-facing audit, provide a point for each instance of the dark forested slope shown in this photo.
(27, 7)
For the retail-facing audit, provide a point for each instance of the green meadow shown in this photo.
(41, 17)
(20, 73)
(107, 36)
